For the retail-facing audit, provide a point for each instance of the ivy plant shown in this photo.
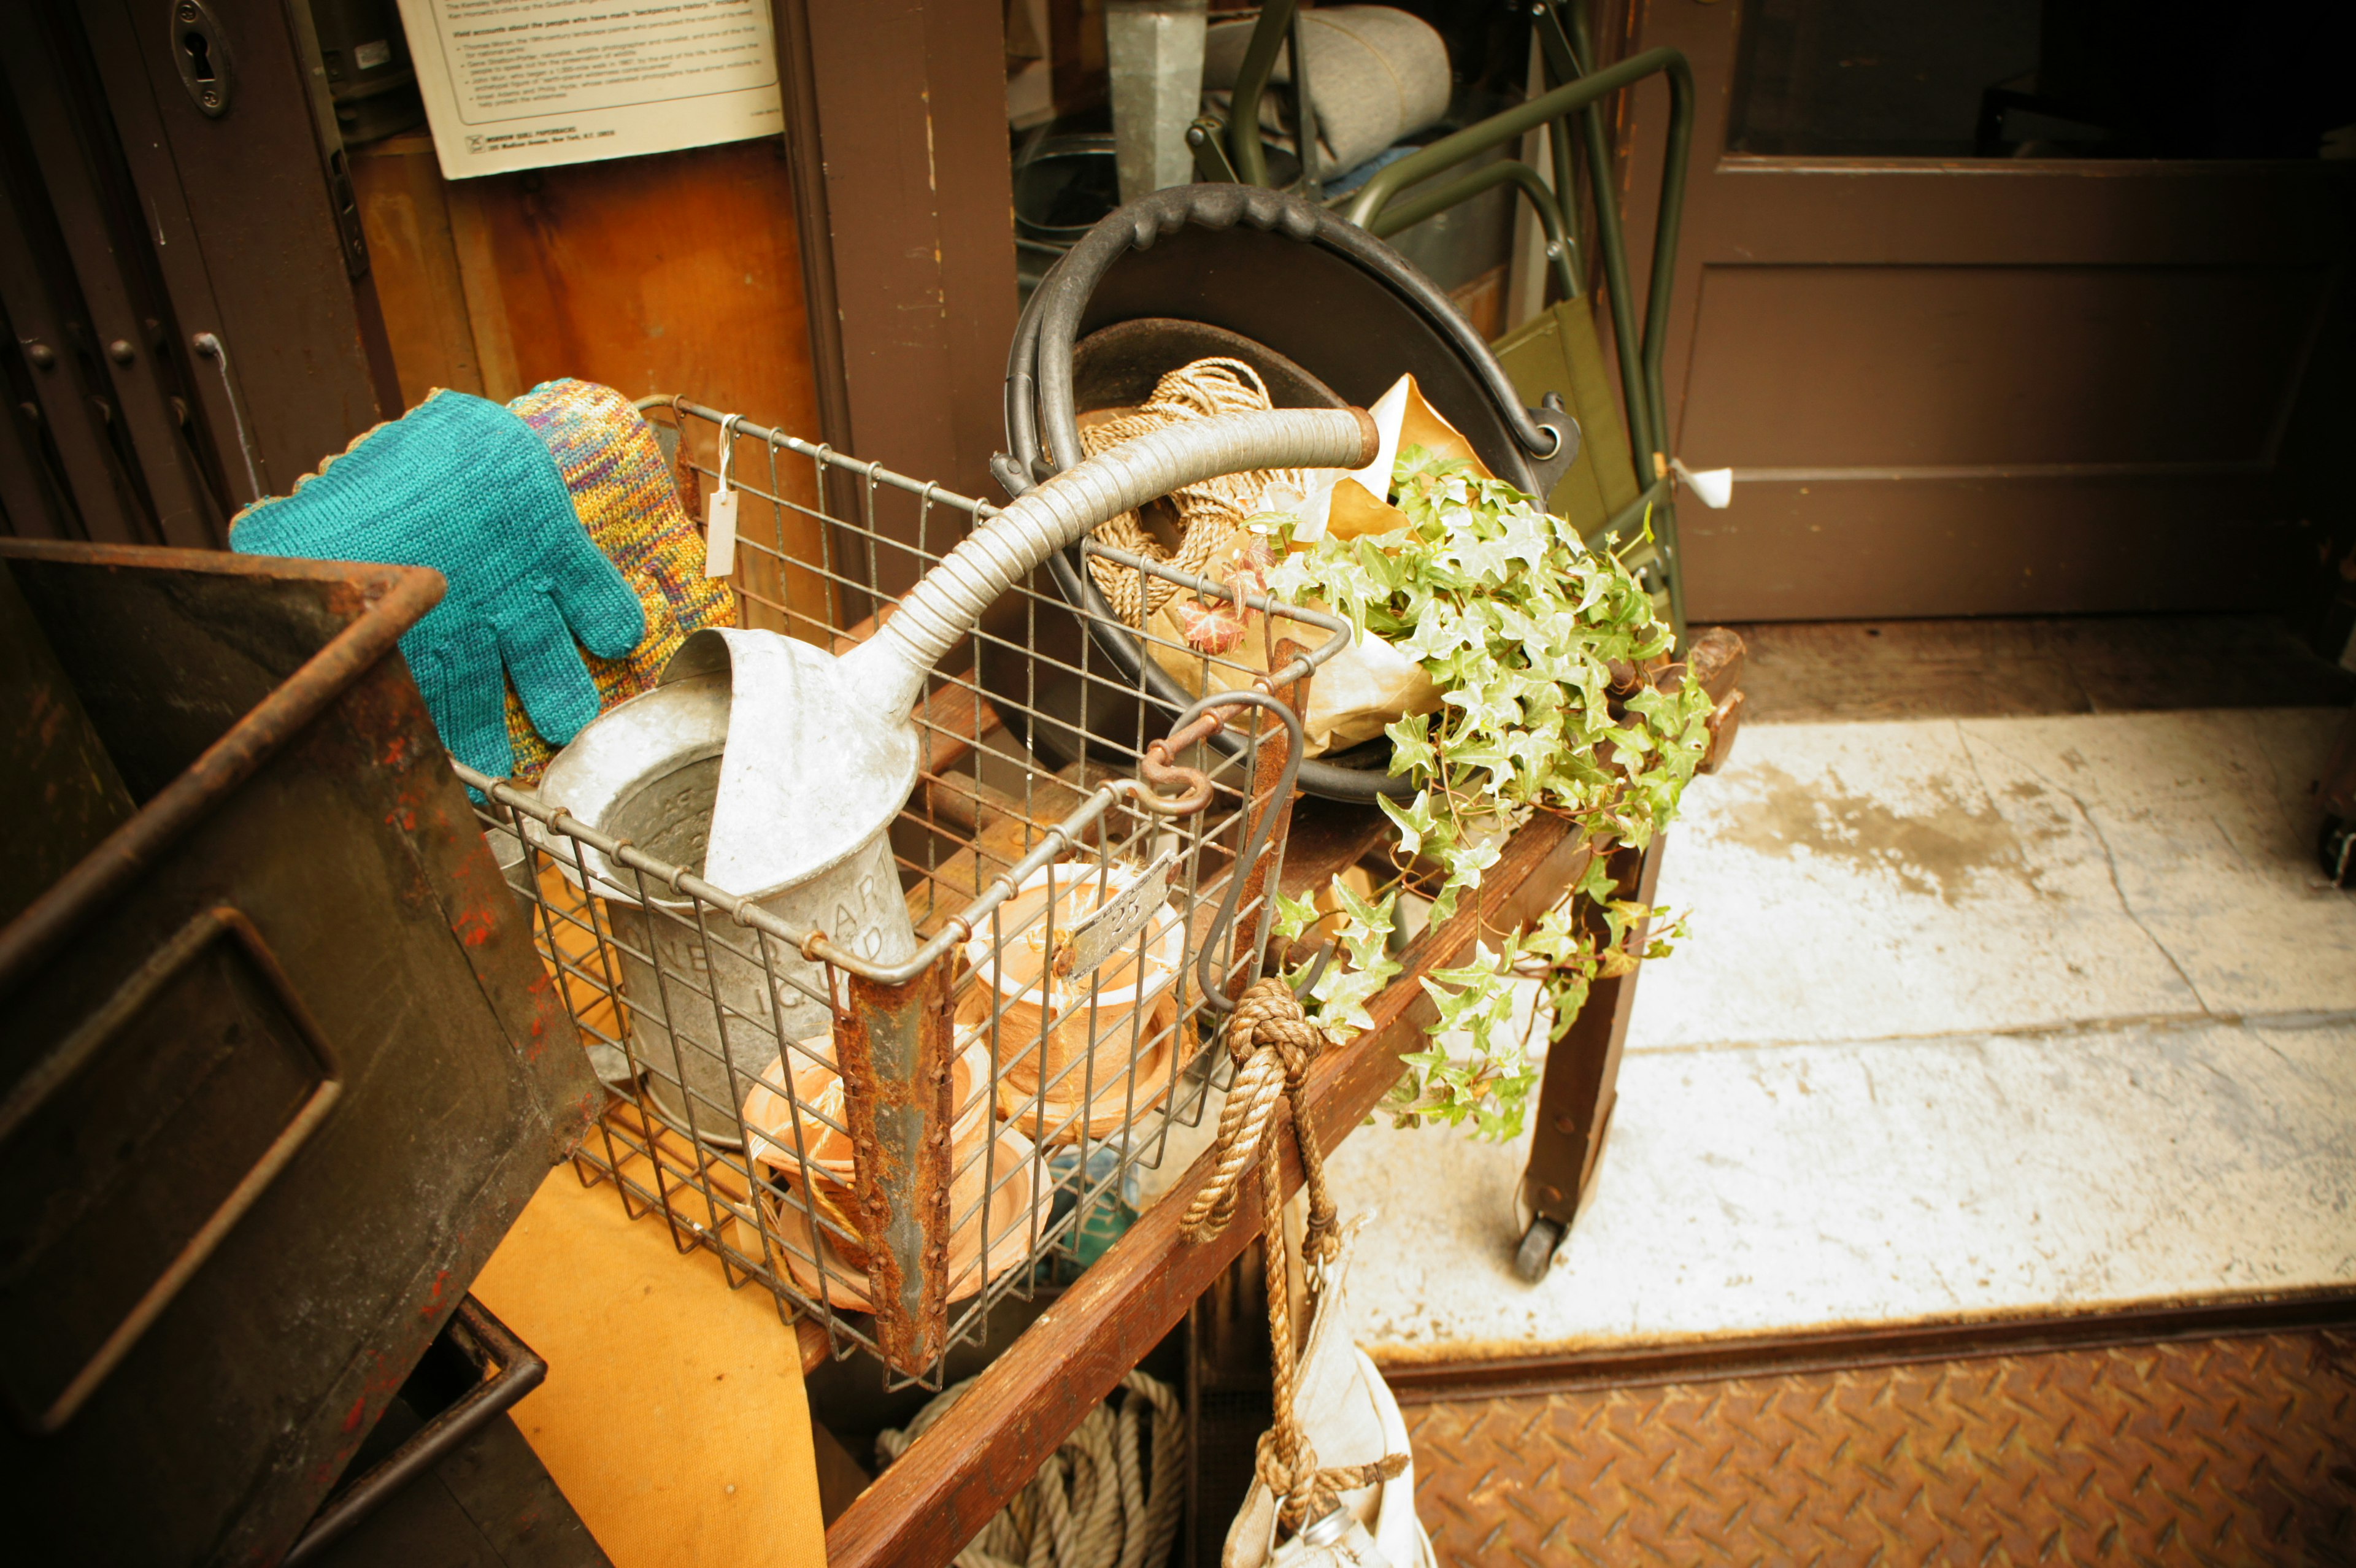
(1544, 652)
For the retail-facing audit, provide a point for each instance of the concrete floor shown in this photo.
(1978, 1017)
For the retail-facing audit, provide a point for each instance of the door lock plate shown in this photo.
(200, 54)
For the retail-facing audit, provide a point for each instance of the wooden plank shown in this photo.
(478, 276)
(669, 1417)
(676, 272)
(1580, 1077)
(913, 136)
(926, 1507)
(414, 255)
(679, 273)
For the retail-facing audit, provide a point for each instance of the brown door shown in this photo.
(1974, 332)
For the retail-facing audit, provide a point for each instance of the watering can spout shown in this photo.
(822, 752)
(818, 759)
(944, 607)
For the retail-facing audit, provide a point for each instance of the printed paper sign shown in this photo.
(523, 84)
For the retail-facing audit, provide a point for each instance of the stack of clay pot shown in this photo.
(1107, 1037)
(816, 1166)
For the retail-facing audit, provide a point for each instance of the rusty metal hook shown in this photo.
(1160, 768)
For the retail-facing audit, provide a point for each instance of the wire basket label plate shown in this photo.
(1109, 929)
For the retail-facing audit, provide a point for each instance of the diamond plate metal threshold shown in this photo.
(1875, 1344)
(2214, 1432)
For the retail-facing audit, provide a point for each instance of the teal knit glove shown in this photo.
(463, 486)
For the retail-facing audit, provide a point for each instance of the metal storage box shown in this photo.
(278, 1063)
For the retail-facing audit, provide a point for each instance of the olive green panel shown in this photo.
(1557, 351)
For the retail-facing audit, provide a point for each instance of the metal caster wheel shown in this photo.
(1535, 1256)
(2336, 849)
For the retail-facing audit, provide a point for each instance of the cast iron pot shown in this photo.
(1329, 316)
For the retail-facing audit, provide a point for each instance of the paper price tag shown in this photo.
(719, 533)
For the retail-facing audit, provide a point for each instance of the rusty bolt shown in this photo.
(1566, 1124)
(1551, 1194)
(120, 351)
(43, 357)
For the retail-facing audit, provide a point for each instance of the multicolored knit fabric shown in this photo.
(466, 488)
(625, 496)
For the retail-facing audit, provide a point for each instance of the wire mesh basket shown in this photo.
(894, 1148)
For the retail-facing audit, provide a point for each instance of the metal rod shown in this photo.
(1643, 358)
(1250, 152)
(1513, 171)
(521, 1371)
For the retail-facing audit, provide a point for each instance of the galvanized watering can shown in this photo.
(776, 768)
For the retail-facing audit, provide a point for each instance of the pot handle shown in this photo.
(944, 605)
(1042, 427)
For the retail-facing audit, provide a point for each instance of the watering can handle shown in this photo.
(944, 607)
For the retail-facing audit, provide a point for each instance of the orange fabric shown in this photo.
(673, 1416)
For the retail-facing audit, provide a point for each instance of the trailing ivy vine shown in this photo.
(1557, 695)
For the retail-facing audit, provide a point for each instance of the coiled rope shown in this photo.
(1092, 1504)
(1210, 511)
(1273, 1043)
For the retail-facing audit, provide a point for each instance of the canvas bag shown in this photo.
(1351, 1419)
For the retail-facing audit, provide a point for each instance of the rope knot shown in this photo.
(1269, 1015)
(1306, 1492)
(1272, 1043)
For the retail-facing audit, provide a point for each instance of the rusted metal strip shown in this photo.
(895, 1046)
(933, 1501)
(1267, 769)
(1852, 1345)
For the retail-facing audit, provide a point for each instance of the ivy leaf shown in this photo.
(1517, 621)
(1410, 751)
(1413, 820)
(1293, 915)
(1466, 862)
